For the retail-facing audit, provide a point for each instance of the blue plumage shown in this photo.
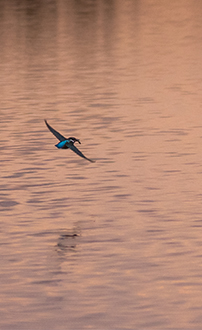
(62, 144)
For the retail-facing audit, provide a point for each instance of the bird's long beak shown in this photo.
(78, 141)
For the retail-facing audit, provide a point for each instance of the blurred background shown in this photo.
(114, 244)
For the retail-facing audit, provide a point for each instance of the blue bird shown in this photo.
(67, 143)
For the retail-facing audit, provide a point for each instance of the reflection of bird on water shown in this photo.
(67, 143)
(68, 240)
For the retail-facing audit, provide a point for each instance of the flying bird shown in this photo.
(67, 143)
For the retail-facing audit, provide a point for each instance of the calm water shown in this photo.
(114, 244)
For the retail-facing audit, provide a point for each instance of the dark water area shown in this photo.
(114, 244)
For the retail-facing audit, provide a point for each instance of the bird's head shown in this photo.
(73, 140)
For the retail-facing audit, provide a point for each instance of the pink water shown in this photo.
(114, 244)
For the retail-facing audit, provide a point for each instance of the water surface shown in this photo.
(114, 244)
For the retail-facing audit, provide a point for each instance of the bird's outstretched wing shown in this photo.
(59, 136)
(78, 152)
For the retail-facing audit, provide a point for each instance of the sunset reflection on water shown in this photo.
(113, 244)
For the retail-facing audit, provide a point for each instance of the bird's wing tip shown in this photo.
(46, 122)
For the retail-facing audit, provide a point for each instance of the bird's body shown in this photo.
(67, 143)
(64, 144)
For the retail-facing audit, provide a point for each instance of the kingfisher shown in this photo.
(67, 143)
